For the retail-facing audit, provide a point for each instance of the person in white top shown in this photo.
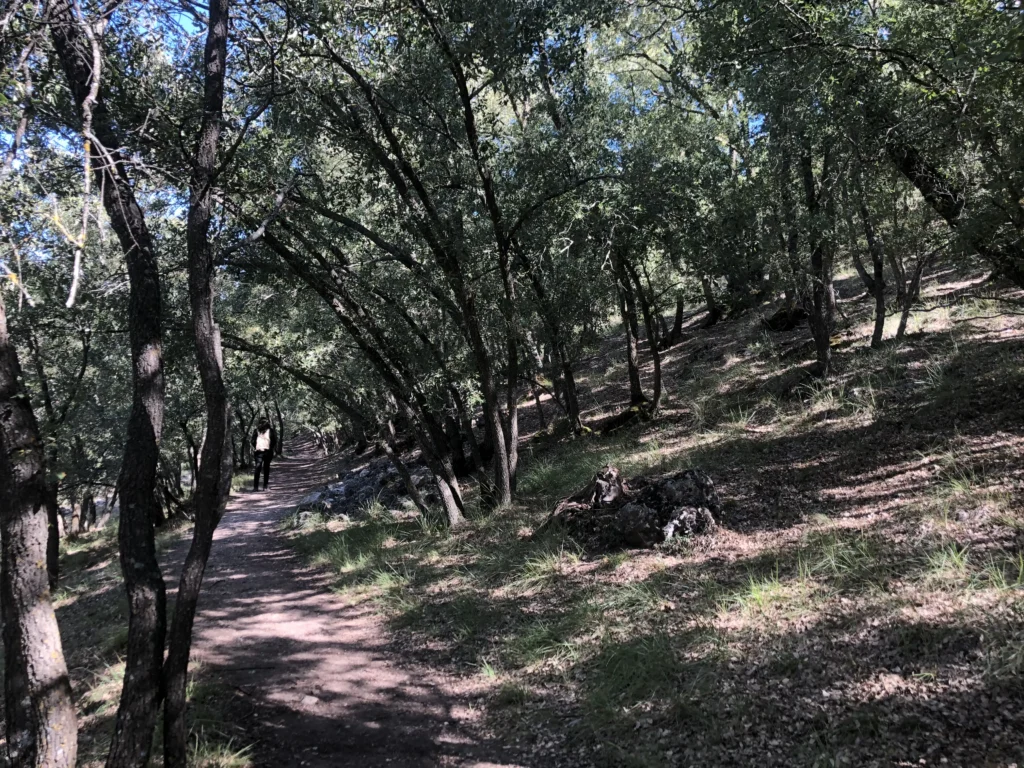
(264, 443)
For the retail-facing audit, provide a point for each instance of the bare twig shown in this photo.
(87, 105)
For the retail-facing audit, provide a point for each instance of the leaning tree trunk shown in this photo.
(390, 446)
(38, 710)
(142, 689)
(215, 468)
(947, 200)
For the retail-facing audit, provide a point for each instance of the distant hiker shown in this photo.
(264, 442)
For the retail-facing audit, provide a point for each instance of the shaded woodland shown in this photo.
(493, 246)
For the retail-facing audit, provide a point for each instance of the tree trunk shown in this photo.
(53, 521)
(38, 709)
(511, 421)
(565, 384)
(819, 308)
(89, 514)
(714, 311)
(53, 526)
(851, 230)
(676, 333)
(245, 427)
(570, 394)
(652, 337)
(949, 202)
(214, 484)
(142, 690)
(540, 409)
(76, 517)
(467, 427)
(627, 310)
(193, 455)
(280, 429)
(502, 491)
(913, 292)
(876, 248)
(390, 450)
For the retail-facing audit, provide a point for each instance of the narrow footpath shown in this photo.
(313, 679)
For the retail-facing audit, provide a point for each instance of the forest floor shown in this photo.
(285, 671)
(860, 604)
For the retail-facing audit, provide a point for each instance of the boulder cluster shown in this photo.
(353, 497)
(611, 513)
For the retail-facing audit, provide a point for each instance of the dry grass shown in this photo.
(859, 606)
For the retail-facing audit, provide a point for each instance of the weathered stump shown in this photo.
(610, 513)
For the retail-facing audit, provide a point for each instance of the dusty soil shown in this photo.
(311, 676)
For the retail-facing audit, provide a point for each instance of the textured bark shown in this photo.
(142, 690)
(40, 715)
(214, 482)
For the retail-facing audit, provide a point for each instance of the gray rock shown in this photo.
(311, 500)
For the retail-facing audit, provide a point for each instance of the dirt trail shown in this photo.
(314, 681)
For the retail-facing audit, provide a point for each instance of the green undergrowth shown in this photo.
(870, 544)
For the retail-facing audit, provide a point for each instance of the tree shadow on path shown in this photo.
(312, 679)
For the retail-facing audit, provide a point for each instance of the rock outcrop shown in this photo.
(353, 497)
